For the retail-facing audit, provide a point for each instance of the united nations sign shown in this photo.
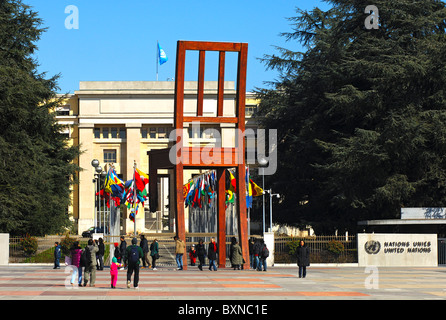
(372, 247)
(382, 249)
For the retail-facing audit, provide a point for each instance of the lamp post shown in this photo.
(271, 195)
(103, 175)
(97, 180)
(262, 164)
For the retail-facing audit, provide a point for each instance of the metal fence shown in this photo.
(319, 248)
(43, 254)
(45, 246)
(323, 249)
(283, 244)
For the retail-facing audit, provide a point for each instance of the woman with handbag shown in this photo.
(154, 253)
(236, 257)
(75, 252)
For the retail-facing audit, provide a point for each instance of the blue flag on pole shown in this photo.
(162, 55)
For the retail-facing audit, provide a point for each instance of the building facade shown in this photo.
(117, 122)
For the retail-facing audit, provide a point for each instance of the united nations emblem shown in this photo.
(372, 247)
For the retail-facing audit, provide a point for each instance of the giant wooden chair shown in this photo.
(189, 157)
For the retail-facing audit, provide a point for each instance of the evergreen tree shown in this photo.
(360, 114)
(36, 168)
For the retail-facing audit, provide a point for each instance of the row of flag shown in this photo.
(132, 192)
(200, 191)
(197, 193)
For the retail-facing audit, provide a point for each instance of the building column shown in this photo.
(133, 153)
(87, 189)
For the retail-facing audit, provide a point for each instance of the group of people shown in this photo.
(197, 251)
(86, 261)
(257, 249)
(120, 250)
(258, 253)
(91, 258)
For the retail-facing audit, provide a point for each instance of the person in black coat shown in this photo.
(212, 254)
(252, 261)
(144, 244)
(256, 249)
(122, 250)
(100, 255)
(201, 253)
(303, 259)
(231, 249)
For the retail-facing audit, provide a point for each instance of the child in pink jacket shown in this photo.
(114, 272)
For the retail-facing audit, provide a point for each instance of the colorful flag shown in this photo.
(113, 184)
(186, 188)
(162, 57)
(200, 191)
(230, 197)
(130, 193)
(248, 189)
(256, 190)
(141, 179)
(136, 192)
(230, 181)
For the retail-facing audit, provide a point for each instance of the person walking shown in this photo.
(83, 263)
(100, 255)
(133, 255)
(144, 244)
(212, 254)
(264, 254)
(154, 253)
(122, 250)
(117, 252)
(256, 250)
(251, 254)
(90, 268)
(75, 253)
(303, 259)
(231, 250)
(237, 257)
(115, 265)
(180, 247)
(57, 255)
(201, 253)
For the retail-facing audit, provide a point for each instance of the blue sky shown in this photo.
(116, 39)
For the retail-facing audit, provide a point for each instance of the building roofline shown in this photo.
(401, 222)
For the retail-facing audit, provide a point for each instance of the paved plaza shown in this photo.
(41, 282)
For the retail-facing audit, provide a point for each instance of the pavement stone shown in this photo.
(41, 282)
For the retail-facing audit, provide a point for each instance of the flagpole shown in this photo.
(157, 57)
(110, 203)
(134, 194)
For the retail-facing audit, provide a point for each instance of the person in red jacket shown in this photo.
(212, 254)
(192, 255)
